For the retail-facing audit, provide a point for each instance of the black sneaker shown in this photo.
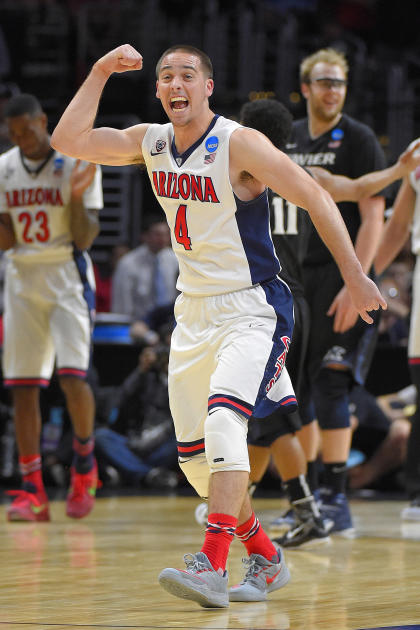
(307, 534)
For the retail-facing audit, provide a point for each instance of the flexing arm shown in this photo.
(75, 135)
(343, 188)
(397, 228)
(252, 152)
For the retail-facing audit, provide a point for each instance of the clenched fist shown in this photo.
(121, 59)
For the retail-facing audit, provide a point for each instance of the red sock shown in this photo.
(30, 469)
(219, 534)
(252, 535)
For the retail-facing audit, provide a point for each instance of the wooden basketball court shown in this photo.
(101, 572)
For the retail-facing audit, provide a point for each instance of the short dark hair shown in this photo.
(22, 104)
(270, 117)
(205, 60)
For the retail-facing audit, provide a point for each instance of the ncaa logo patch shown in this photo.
(212, 143)
(337, 134)
(58, 165)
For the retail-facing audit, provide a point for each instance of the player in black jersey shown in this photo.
(277, 435)
(291, 228)
(340, 346)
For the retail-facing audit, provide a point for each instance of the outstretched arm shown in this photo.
(75, 136)
(252, 152)
(397, 227)
(343, 188)
(366, 243)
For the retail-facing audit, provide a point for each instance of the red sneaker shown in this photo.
(81, 496)
(28, 506)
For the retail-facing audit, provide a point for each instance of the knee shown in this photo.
(399, 432)
(70, 385)
(330, 393)
(25, 396)
(225, 434)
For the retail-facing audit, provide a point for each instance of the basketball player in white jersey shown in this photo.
(48, 218)
(234, 315)
(406, 218)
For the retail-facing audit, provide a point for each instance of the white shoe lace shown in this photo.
(251, 569)
(193, 564)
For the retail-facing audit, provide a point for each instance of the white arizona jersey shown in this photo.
(222, 244)
(37, 200)
(415, 234)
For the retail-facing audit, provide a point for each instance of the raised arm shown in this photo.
(397, 227)
(343, 188)
(252, 152)
(75, 136)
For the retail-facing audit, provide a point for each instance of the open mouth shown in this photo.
(179, 102)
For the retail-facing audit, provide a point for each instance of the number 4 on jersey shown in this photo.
(181, 227)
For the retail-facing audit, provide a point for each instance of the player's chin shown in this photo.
(179, 119)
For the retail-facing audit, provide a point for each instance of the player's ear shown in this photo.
(304, 88)
(43, 120)
(157, 89)
(209, 87)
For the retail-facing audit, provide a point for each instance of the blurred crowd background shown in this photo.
(47, 48)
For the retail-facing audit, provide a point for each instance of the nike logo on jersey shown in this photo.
(157, 152)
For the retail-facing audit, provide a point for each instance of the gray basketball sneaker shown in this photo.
(199, 582)
(262, 577)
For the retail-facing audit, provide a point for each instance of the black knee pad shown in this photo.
(331, 398)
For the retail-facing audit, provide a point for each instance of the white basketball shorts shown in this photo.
(229, 350)
(46, 319)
